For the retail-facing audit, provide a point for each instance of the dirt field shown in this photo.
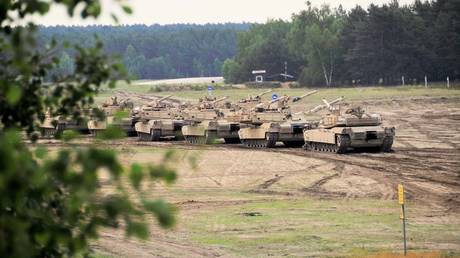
(238, 202)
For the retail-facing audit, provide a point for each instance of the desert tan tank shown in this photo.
(339, 132)
(52, 126)
(208, 122)
(249, 102)
(227, 122)
(159, 119)
(272, 122)
(110, 110)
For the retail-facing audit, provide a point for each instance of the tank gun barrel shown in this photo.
(303, 96)
(323, 106)
(219, 100)
(264, 93)
(164, 98)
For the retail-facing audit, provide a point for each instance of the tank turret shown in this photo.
(351, 117)
(107, 112)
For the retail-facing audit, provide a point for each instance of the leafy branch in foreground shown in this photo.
(53, 204)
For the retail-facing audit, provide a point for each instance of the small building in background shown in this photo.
(259, 75)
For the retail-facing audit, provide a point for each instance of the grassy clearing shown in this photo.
(313, 227)
(351, 93)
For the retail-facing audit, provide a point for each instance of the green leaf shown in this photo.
(137, 229)
(162, 210)
(111, 133)
(136, 175)
(127, 9)
(162, 172)
(41, 152)
(169, 155)
(121, 114)
(69, 135)
(13, 95)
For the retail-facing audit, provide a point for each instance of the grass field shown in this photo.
(350, 93)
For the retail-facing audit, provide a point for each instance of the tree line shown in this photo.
(152, 52)
(379, 45)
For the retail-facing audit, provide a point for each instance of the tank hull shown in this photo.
(126, 124)
(207, 132)
(51, 127)
(155, 130)
(267, 134)
(342, 139)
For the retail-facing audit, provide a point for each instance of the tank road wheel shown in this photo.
(95, 133)
(201, 140)
(270, 139)
(155, 134)
(342, 143)
(143, 136)
(189, 139)
(210, 137)
(308, 146)
(387, 143)
(48, 132)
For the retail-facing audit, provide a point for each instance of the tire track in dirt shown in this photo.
(390, 174)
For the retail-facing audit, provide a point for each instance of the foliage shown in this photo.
(53, 204)
(379, 45)
(157, 51)
(314, 36)
(263, 47)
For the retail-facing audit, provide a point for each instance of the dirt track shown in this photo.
(426, 159)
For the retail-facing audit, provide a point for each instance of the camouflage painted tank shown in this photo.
(110, 110)
(272, 122)
(353, 129)
(159, 119)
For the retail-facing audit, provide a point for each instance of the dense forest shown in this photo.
(378, 45)
(153, 52)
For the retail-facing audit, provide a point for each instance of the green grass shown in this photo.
(313, 227)
(350, 93)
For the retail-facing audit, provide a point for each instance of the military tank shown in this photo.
(159, 119)
(251, 101)
(53, 126)
(109, 110)
(339, 132)
(271, 122)
(208, 122)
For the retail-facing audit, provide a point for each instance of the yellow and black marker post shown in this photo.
(403, 214)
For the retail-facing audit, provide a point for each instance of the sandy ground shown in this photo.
(426, 159)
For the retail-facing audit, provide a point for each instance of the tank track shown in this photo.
(144, 136)
(48, 132)
(192, 139)
(269, 141)
(232, 140)
(387, 144)
(95, 133)
(210, 137)
(341, 147)
(293, 144)
(155, 135)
